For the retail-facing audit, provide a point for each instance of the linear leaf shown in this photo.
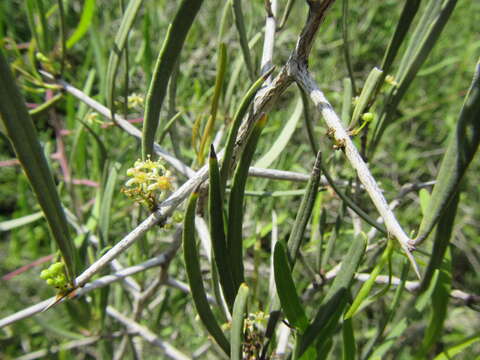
(286, 291)
(368, 285)
(440, 299)
(452, 351)
(23, 137)
(408, 14)
(235, 204)
(426, 34)
(441, 241)
(119, 44)
(240, 24)
(304, 212)
(21, 221)
(238, 317)
(349, 346)
(217, 231)
(236, 122)
(366, 95)
(336, 298)
(85, 21)
(194, 274)
(207, 133)
(462, 145)
(167, 57)
(278, 146)
(106, 205)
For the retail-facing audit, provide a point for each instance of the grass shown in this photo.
(88, 157)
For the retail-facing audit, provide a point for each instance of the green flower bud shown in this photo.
(367, 117)
(45, 274)
(57, 267)
(50, 282)
(177, 217)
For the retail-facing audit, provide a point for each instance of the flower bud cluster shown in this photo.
(55, 276)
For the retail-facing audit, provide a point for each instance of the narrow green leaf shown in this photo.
(350, 203)
(102, 149)
(106, 204)
(23, 137)
(238, 317)
(430, 12)
(45, 106)
(331, 243)
(426, 34)
(85, 21)
(285, 16)
(287, 293)
(463, 144)
(393, 335)
(323, 326)
(119, 44)
(388, 316)
(240, 24)
(368, 285)
(169, 126)
(368, 91)
(167, 57)
(440, 299)
(422, 46)
(408, 14)
(335, 300)
(235, 204)
(304, 212)
(278, 146)
(349, 345)
(347, 101)
(346, 45)
(440, 241)
(308, 121)
(458, 348)
(30, 7)
(79, 151)
(424, 196)
(236, 122)
(63, 36)
(207, 133)
(43, 27)
(21, 221)
(194, 274)
(217, 231)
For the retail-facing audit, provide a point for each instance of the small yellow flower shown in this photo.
(135, 101)
(146, 178)
(389, 79)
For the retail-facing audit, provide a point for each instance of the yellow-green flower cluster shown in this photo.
(55, 276)
(135, 101)
(149, 181)
(390, 80)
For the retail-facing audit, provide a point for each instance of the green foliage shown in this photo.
(253, 265)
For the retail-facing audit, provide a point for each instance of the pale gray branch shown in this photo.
(57, 348)
(147, 334)
(103, 281)
(343, 141)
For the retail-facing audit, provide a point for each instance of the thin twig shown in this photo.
(124, 124)
(344, 141)
(57, 348)
(147, 334)
(99, 283)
